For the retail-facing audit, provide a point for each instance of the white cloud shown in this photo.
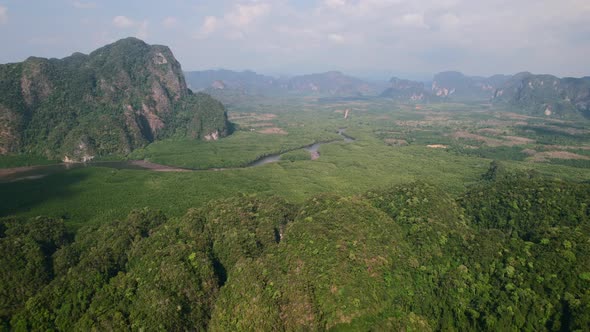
(244, 14)
(84, 5)
(414, 20)
(142, 31)
(3, 14)
(360, 8)
(234, 35)
(334, 3)
(424, 35)
(336, 38)
(170, 22)
(449, 21)
(123, 22)
(210, 25)
(232, 24)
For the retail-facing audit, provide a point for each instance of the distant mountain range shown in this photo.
(455, 85)
(247, 82)
(405, 90)
(445, 85)
(546, 95)
(541, 95)
(534, 94)
(333, 83)
(118, 98)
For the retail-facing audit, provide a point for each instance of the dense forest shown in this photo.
(510, 253)
(120, 97)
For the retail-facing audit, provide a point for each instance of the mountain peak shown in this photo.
(136, 90)
(456, 85)
(546, 95)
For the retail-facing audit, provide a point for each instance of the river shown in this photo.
(36, 172)
(312, 149)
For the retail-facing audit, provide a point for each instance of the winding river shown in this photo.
(36, 172)
(312, 149)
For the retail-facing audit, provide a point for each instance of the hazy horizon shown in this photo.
(372, 39)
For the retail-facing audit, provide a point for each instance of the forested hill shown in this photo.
(247, 82)
(118, 98)
(509, 254)
(546, 95)
(328, 84)
(406, 90)
(457, 86)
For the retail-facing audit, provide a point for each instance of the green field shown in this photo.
(390, 148)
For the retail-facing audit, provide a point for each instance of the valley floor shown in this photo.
(448, 145)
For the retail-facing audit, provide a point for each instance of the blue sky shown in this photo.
(413, 38)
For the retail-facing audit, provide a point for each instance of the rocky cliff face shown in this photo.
(546, 95)
(117, 98)
(406, 90)
(455, 85)
(331, 83)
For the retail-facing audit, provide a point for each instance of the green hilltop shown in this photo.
(546, 95)
(509, 254)
(120, 97)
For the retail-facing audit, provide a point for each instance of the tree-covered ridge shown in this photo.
(546, 95)
(407, 90)
(457, 86)
(118, 98)
(409, 257)
(328, 84)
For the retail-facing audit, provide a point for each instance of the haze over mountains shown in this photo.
(536, 94)
(331, 83)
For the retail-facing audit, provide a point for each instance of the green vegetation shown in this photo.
(97, 194)
(547, 95)
(239, 149)
(486, 229)
(496, 153)
(17, 160)
(120, 97)
(94, 195)
(296, 155)
(407, 257)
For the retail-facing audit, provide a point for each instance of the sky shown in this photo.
(369, 38)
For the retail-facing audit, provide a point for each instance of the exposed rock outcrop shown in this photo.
(406, 90)
(118, 98)
(455, 85)
(546, 95)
